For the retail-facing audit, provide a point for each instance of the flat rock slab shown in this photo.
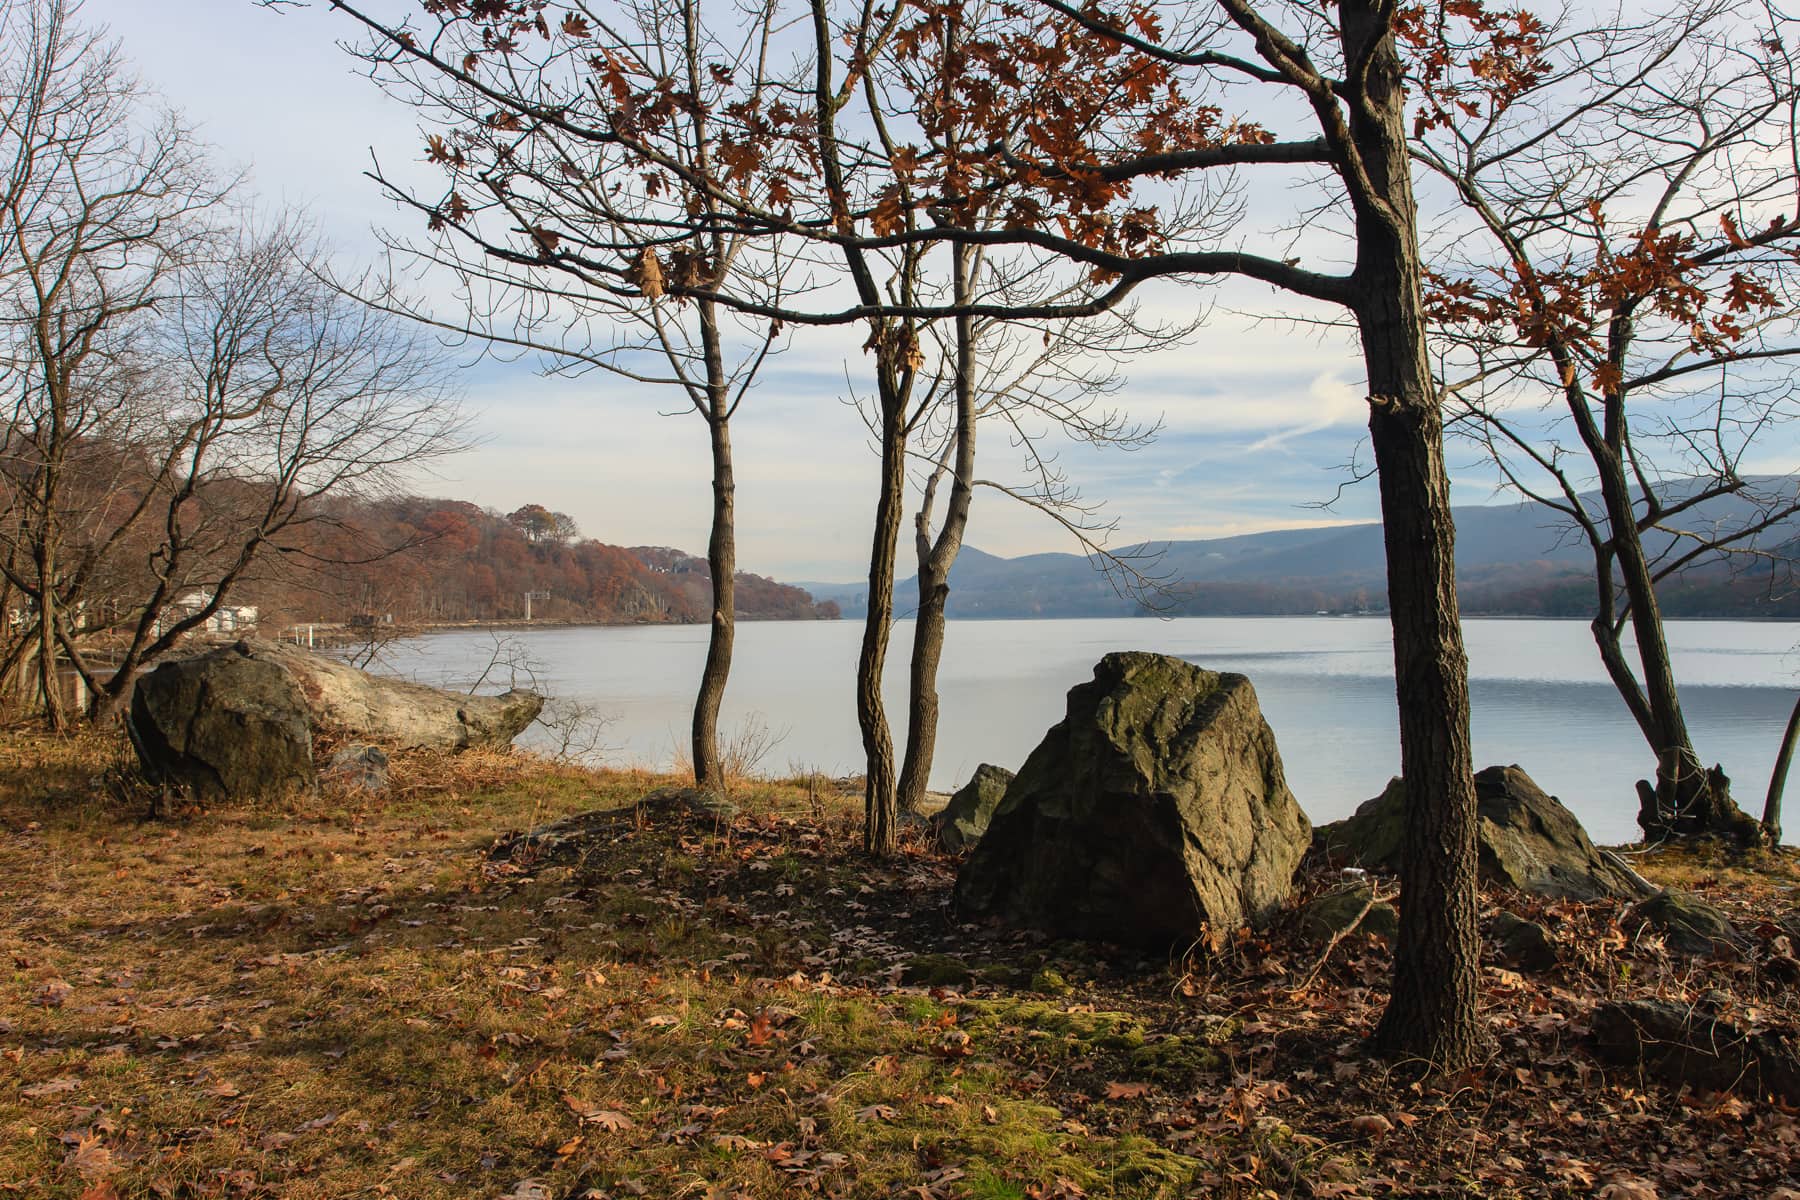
(396, 712)
(1157, 808)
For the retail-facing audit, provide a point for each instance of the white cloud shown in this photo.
(1257, 413)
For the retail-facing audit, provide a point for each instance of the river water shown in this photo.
(1326, 685)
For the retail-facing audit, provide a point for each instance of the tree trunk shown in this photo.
(922, 694)
(47, 682)
(871, 713)
(936, 557)
(17, 672)
(1432, 1012)
(721, 563)
(1771, 817)
(1687, 799)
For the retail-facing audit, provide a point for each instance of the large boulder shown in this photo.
(1527, 840)
(222, 727)
(239, 721)
(1155, 808)
(960, 823)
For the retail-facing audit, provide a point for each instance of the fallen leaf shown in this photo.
(53, 993)
(1126, 1091)
(51, 1087)
(604, 1118)
(878, 1112)
(91, 1160)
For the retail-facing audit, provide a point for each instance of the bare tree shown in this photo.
(1034, 383)
(98, 195)
(262, 391)
(1622, 305)
(530, 204)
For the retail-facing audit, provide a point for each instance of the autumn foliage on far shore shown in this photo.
(429, 561)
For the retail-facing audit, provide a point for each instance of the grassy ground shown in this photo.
(335, 998)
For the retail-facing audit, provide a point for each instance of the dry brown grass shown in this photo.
(336, 997)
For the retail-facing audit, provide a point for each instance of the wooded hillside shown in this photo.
(420, 560)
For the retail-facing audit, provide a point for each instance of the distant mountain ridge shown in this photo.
(1512, 559)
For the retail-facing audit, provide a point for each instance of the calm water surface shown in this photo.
(1326, 685)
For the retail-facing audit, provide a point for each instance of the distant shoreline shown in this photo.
(519, 624)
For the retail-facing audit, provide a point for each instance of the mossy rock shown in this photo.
(936, 970)
(1526, 840)
(1003, 975)
(1689, 925)
(1337, 913)
(1051, 983)
(1157, 808)
(965, 818)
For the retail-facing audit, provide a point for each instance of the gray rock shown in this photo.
(1688, 924)
(222, 726)
(960, 823)
(1338, 912)
(358, 767)
(1157, 807)
(1527, 840)
(238, 721)
(396, 712)
(1686, 1046)
(1525, 944)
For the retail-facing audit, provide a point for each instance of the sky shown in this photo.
(1258, 419)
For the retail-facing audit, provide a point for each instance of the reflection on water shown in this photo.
(1326, 684)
